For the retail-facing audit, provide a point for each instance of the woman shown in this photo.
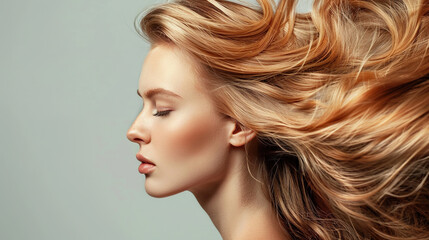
(286, 125)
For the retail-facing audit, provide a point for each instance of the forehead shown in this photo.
(167, 67)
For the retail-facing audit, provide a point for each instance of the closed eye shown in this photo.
(162, 113)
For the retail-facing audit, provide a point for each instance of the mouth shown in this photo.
(142, 159)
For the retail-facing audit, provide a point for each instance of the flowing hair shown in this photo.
(338, 97)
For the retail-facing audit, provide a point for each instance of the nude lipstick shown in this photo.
(146, 166)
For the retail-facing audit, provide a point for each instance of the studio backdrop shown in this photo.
(69, 74)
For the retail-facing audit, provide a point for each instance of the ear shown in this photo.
(240, 135)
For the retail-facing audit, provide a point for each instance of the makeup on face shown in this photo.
(179, 129)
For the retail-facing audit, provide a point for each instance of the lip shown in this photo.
(142, 159)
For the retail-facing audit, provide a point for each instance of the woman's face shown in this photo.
(183, 135)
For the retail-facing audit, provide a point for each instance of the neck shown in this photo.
(237, 205)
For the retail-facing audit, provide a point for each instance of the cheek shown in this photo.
(191, 149)
(186, 136)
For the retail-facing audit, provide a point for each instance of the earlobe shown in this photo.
(241, 135)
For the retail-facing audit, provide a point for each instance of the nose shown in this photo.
(139, 131)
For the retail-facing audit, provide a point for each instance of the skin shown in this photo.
(197, 149)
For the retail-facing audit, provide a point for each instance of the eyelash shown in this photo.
(162, 113)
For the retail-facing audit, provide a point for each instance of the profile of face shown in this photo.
(179, 129)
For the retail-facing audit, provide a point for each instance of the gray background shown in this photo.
(69, 74)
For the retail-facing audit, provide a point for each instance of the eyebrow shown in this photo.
(155, 91)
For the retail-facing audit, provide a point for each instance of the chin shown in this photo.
(160, 192)
(156, 194)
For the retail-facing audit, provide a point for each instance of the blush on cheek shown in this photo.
(188, 136)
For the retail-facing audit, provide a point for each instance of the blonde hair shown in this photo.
(338, 97)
